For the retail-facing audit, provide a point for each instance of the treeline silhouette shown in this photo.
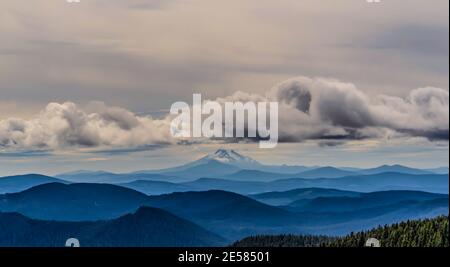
(416, 233)
(283, 241)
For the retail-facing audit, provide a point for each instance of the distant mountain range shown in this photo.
(156, 187)
(219, 206)
(434, 183)
(286, 197)
(218, 198)
(359, 202)
(112, 178)
(326, 172)
(229, 214)
(12, 184)
(229, 164)
(361, 183)
(394, 168)
(441, 170)
(147, 227)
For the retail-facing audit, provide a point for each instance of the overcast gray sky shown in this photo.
(143, 55)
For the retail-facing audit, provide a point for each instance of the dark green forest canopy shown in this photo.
(417, 233)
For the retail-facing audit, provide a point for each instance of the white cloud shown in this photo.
(67, 125)
(325, 110)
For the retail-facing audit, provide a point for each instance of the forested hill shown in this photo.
(418, 233)
(283, 241)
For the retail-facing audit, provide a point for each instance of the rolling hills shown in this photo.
(228, 214)
(434, 183)
(147, 227)
(73, 202)
(325, 172)
(234, 196)
(219, 205)
(279, 198)
(358, 202)
(155, 187)
(12, 184)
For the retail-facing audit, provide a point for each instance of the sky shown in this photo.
(88, 85)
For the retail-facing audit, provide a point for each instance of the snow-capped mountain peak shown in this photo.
(231, 156)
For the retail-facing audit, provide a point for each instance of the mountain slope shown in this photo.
(155, 187)
(342, 223)
(440, 170)
(154, 227)
(254, 175)
(228, 214)
(148, 227)
(394, 168)
(112, 178)
(73, 202)
(325, 172)
(287, 197)
(229, 164)
(235, 216)
(361, 201)
(222, 162)
(83, 176)
(217, 205)
(368, 183)
(240, 187)
(231, 215)
(211, 168)
(434, 183)
(13, 184)
(232, 157)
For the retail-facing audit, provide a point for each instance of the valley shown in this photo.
(243, 198)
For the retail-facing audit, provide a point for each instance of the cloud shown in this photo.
(160, 51)
(67, 125)
(425, 112)
(328, 111)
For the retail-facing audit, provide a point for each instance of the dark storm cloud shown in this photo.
(326, 109)
(296, 95)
